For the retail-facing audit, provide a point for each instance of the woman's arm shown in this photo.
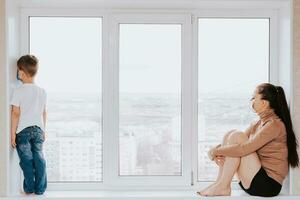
(249, 130)
(268, 132)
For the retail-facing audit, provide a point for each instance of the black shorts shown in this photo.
(263, 185)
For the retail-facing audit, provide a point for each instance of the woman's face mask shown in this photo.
(257, 103)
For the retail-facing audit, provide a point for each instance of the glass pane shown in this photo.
(233, 57)
(69, 50)
(150, 99)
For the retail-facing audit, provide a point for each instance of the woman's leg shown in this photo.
(249, 165)
(248, 168)
(245, 167)
(220, 168)
(223, 186)
(224, 142)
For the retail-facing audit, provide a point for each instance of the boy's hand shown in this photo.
(44, 136)
(13, 141)
(15, 115)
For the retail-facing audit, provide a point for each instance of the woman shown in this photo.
(260, 156)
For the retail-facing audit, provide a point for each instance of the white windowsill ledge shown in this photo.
(138, 195)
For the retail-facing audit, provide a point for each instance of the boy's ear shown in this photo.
(23, 73)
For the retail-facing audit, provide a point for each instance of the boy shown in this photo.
(28, 120)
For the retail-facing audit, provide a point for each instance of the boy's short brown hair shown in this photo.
(28, 64)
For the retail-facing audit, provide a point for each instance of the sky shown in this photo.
(233, 55)
(69, 52)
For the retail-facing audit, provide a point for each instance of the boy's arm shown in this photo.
(45, 119)
(15, 116)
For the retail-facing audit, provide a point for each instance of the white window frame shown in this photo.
(25, 39)
(110, 95)
(110, 92)
(272, 15)
(153, 18)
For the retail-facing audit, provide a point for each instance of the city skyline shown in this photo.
(81, 131)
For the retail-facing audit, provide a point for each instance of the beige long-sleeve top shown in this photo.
(267, 137)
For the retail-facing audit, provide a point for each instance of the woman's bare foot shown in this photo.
(205, 189)
(217, 190)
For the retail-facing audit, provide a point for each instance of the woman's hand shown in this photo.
(219, 160)
(210, 152)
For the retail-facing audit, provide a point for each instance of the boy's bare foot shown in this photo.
(217, 190)
(27, 193)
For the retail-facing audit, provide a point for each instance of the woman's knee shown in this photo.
(227, 135)
(237, 137)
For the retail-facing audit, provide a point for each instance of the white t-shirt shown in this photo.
(32, 100)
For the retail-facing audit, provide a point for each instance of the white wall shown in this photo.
(3, 125)
(10, 51)
(295, 174)
(10, 169)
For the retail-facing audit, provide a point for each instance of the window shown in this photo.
(70, 69)
(233, 57)
(171, 88)
(150, 99)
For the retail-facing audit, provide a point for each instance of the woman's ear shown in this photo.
(266, 104)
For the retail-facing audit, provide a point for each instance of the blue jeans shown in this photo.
(30, 150)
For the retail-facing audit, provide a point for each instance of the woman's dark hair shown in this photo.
(276, 98)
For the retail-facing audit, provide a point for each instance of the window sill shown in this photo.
(138, 195)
